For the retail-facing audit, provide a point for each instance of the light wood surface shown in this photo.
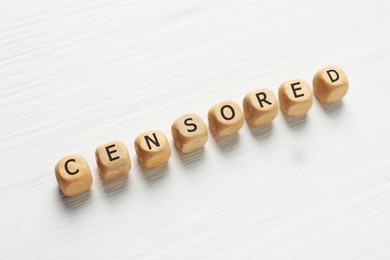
(78, 74)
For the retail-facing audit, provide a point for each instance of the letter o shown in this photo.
(223, 113)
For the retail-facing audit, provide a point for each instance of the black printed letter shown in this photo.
(294, 89)
(190, 124)
(67, 169)
(155, 141)
(330, 76)
(231, 109)
(109, 152)
(263, 99)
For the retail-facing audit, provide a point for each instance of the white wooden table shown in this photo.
(76, 74)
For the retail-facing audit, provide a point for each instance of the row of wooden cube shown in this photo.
(190, 133)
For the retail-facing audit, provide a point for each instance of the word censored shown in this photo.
(190, 133)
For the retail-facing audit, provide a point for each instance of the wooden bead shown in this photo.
(295, 97)
(113, 160)
(260, 107)
(152, 148)
(330, 84)
(73, 175)
(189, 133)
(225, 118)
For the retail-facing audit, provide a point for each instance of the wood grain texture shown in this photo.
(77, 74)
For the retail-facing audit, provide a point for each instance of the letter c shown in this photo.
(67, 169)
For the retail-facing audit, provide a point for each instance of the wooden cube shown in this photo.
(73, 175)
(189, 133)
(152, 148)
(225, 118)
(260, 107)
(295, 97)
(113, 160)
(330, 84)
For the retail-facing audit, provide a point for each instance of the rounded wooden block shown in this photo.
(295, 97)
(225, 118)
(113, 160)
(152, 148)
(73, 175)
(260, 107)
(330, 84)
(189, 133)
